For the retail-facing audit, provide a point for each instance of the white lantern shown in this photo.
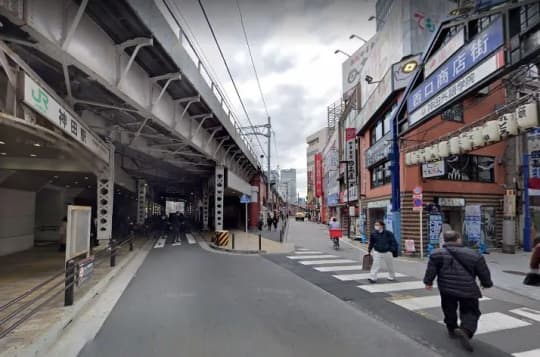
(508, 125)
(435, 152)
(421, 156)
(408, 158)
(414, 157)
(477, 137)
(444, 149)
(427, 154)
(465, 141)
(490, 131)
(527, 116)
(454, 146)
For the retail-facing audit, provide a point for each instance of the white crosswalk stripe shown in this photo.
(392, 287)
(422, 302)
(324, 262)
(531, 353)
(528, 313)
(308, 252)
(302, 249)
(311, 256)
(191, 239)
(339, 268)
(363, 276)
(497, 321)
(160, 243)
(176, 243)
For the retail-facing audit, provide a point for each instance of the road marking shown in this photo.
(497, 321)
(354, 246)
(350, 277)
(177, 243)
(160, 243)
(323, 262)
(311, 256)
(423, 302)
(308, 252)
(531, 353)
(190, 239)
(528, 313)
(302, 249)
(339, 268)
(390, 287)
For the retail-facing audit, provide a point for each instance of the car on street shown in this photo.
(300, 216)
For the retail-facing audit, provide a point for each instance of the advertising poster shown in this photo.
(473, 224)
(388, 218)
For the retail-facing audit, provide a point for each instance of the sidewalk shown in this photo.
(23, 271)
(507, 270)
(269, 234)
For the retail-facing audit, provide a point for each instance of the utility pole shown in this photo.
(269, 136)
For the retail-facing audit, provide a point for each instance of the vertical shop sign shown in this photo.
(473, 224)
(350, 154)
(388, 218)
(435, 227)
(533, 143)
(318, 174)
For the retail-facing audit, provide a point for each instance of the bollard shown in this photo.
(70, 283)
(259, 242)
(113, 253)
(233, 241)
(131, 245)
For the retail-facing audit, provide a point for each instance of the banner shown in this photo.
(350, 154)
(533, 143)
(318, 175)
(435, 226)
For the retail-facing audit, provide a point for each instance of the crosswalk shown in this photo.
(164, 240)
(499, 318)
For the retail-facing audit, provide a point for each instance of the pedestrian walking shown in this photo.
(384, 247)
(456, 268)
(533, 277)
(260, 222)
(275, 220)
(269, 220)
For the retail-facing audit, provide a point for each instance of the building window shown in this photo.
(469, 168)
(382, 126)
(381, 174)
(454, 113)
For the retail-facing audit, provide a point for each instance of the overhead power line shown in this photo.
(251, 56)
(228, 69)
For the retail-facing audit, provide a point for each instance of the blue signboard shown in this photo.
(460, 63)
(245, 199)
(332, 199)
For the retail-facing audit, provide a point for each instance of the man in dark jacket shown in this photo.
(385, 247)
(456, 268)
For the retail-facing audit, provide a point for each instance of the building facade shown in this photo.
(288, 177)
(315, 144)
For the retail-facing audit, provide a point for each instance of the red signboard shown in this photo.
(350, 134)
(318, 175)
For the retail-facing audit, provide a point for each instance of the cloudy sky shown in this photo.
(293, 43)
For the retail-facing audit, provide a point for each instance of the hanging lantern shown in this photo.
(414, 157)
(421, 156)
(435, 152)
(444, 149)
(408, 158)
(454, 145)
(490, 131)
(465, 141)
(527, 116)
(508, 125)
(427, 154)
(477, 137)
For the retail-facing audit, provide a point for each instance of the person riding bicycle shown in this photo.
(334, 226)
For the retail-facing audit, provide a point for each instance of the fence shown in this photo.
(27, 304)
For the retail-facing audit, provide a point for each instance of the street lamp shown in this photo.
(340, 51)
(356, 36)
(346, 162)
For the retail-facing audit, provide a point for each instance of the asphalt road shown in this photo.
(186, 301)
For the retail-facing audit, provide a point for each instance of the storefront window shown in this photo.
(382, 126)
(381, 174)
(469, 168)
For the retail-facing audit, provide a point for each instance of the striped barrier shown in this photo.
(222, 238)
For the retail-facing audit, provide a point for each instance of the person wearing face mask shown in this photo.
(384, 247)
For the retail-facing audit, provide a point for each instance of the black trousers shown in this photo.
(469, 313)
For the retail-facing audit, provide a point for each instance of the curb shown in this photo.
(41, 344)
(237, 251)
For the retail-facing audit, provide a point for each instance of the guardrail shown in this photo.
(37, 297)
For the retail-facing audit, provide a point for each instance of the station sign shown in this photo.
(444, 53)
(41, 101)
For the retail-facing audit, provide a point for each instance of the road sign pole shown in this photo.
(246, 205)
(421, 235)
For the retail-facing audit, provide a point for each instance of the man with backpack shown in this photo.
(456, 268)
